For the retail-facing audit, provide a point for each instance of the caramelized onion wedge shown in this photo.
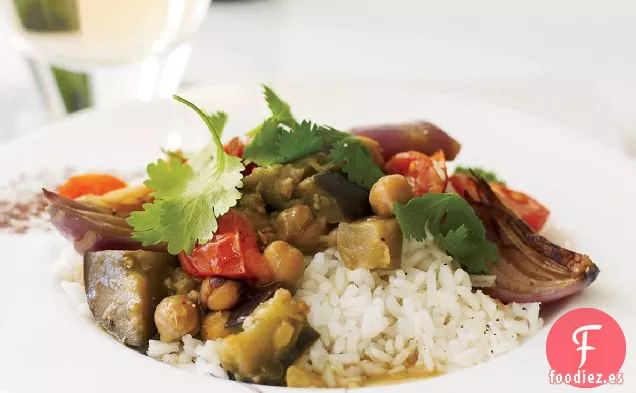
(530, 267)
(92, 228)
(420, 136)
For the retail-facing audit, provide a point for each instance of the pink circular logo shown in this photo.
(586, 348)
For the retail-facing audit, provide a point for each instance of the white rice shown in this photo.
(423, 315)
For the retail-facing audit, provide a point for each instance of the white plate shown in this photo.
(591, 191)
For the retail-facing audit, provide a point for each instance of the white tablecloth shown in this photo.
(571, 61)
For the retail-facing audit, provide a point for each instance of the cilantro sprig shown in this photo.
(453, 223)
(489, 176)
(189, 196)
(281, 139)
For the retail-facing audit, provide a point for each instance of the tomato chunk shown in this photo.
(232, 252)
(426, 175)
(235, 147)
(524, 206)
(90, 183)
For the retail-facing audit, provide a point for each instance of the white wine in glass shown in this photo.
(98, 52)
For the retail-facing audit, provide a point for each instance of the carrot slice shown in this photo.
(90, 183)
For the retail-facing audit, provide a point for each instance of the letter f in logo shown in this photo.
(583, 344)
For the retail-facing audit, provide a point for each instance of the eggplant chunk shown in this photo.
(273, 337)
(373, 243)
(123, 289)
(332, 196)
(277, 183)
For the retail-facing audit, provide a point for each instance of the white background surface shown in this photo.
(569, 61)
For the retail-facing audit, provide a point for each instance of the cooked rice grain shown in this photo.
(424, 315)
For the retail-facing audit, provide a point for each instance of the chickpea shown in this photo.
(293, 220)
(298, 226)
(220, 293)
(213, 326)
(388, 190)
(175, 317)
(376, 150)
(286, 261)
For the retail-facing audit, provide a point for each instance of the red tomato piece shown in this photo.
(90, 183)
(524, 206)
(232, 252)
(235, 147)
(426, 175)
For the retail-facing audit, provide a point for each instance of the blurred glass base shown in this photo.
(66, 90)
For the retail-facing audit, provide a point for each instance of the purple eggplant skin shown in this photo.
(92, 228)
(252, 298)
(421, 136)
(331, 195)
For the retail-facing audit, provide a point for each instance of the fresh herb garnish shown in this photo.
(489, 176)
(453, 223)
(358, 161)
(189, 196)
(281, 139)
(218, 120)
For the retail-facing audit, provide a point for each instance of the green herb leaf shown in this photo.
(218, 120)
(453, 223)
(281, 139)
(189, 196)
(300, 142)
(489, 176)
(358, 161)
(280, 109)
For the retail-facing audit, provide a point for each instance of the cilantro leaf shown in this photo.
(189, 196)
(263, 149)
(358, 161)
(300, 142)
(453, 223)
(281, 114)
(280, 109)
(218, 120)
(489, 176)
(281, 139)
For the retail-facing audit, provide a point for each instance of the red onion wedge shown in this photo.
(420, 136)
(530, 267)
(92, 228)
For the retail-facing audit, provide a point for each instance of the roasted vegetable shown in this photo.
(90, 227)
(277, 183)
(122, 201)
(372, 243)
(530, 268)
(232, 252)
(426, 175)
(273, 337)
(252, 298)
(123, 289)
(420, 136)
(175, 317)
(524, 206)
(332, 196)
(90, 183)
